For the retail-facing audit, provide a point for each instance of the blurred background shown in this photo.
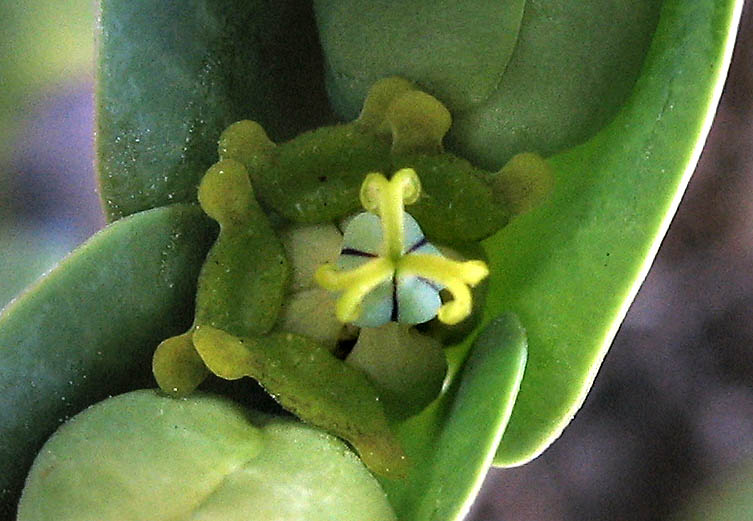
(667, 431)
(48, 199)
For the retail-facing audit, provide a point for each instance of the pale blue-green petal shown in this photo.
(428, 249)
(417, 300)
(412, 233)
(364, 233)
(351, 262)
(376, 308)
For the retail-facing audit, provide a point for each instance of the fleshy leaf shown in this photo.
(454, 440)
(571, 267)
(88, 329)
(145, 456)
(171, 77)
(573, 65)
(457, 50)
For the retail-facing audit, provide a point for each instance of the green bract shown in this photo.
(242, 281)
(319, 177)
(310, 382)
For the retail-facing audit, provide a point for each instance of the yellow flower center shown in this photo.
(387, 200)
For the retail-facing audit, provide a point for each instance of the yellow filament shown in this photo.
(453, 275)
(406, 181)
(443, 270)
(357, 284)
(460, 307)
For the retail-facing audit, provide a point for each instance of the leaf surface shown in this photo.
(572, 66)
(636, 83)
(452, 443)
(172, 76)
(88, 329)
(457, 50)
(579, 259)
(204, 458)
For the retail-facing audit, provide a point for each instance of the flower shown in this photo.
(388, 271)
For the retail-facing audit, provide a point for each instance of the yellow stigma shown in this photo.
(397, 262)
(387, 199)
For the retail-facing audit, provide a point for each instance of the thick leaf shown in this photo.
(145, 456)
(173, 75)
(571, 268)
(88, 329)
(453, 442)
(457, 50)
(573, 65)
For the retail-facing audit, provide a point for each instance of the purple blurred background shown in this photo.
(672, 408)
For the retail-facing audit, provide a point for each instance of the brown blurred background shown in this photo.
(667, 429)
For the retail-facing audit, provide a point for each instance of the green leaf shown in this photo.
(453, 442)
(145, 456)
(571, 268)
(172, 76)
(89, 328)
(457, 50)
(573, 65)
